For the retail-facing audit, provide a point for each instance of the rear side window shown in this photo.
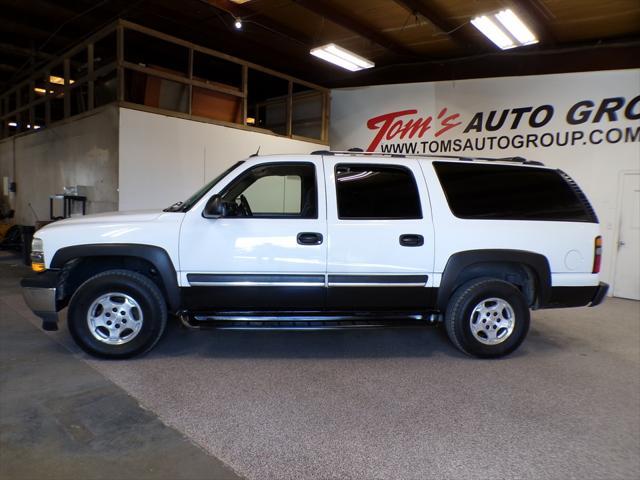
(505, 192)
(368, 192)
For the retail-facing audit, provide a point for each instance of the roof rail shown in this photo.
(359, 152)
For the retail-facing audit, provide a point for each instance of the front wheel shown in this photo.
(487, 318)
(117, 314)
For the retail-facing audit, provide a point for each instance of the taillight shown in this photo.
(597, 255)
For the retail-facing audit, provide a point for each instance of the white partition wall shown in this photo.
(587, 124)
(83, 151)
(165, 159)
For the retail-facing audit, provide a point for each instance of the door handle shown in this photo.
(309, 238)
(411, 240)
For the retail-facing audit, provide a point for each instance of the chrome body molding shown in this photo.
(289, 317)
(374, 284)
(289, 280)
(256, 284)
(255, 280)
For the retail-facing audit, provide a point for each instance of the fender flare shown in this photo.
(157, 256)
(458, 262)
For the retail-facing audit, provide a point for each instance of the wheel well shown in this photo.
(518, 274)
(78, 270)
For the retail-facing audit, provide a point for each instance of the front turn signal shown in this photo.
(37, 267)
(37, 258)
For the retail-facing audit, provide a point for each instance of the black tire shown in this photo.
(139, 288)
(461, 307)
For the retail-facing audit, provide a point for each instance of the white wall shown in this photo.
(81, 152)
(165, 159)
(595, 166)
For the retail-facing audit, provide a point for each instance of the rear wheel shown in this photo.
(487, 318)
(117, 314)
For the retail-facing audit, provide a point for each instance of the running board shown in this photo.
(309, 322)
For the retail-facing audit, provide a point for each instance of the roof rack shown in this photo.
(360, 152)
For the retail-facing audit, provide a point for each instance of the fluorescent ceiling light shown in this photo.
(516, 27)
(493, 32)
(505, 29)
(342, 57)
(12, 124)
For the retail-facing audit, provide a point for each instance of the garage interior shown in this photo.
(113, 106)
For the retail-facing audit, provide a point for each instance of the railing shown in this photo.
(137, 67)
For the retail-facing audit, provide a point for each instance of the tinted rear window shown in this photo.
(505, 192)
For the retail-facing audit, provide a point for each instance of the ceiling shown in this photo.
(409, 40)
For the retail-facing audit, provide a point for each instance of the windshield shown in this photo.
(193, 199)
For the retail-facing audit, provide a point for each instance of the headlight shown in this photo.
(37, 255)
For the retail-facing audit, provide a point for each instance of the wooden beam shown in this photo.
(53, 10)
(67, 87)
(172, 39)
(16, 29)
(356, 26)
(7, 68)
(245, 92)
(245, 12)
(18, 51)
(289, 115)
(580, 57)
(461, 34)
(120, 60)
(255, 44)
(91, 76)
(32, 27)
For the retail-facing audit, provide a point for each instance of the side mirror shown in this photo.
(215, 208)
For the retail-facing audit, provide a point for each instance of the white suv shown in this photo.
(329, 240)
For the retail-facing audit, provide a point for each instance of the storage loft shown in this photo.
(136, 67)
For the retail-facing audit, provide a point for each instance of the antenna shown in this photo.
(257, 152)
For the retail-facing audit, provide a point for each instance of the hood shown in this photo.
(113, 217)
(151, 227)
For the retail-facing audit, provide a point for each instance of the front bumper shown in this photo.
(599, 296)
(40, 294)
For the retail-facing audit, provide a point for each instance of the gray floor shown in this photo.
(398, 403)
(61, 419)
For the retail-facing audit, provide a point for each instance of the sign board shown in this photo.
(587, 124)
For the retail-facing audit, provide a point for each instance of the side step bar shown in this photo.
(302, 321)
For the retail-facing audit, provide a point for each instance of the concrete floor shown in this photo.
(61, 419)
(380, 404)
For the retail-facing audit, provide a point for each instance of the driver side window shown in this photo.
(276, 190)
